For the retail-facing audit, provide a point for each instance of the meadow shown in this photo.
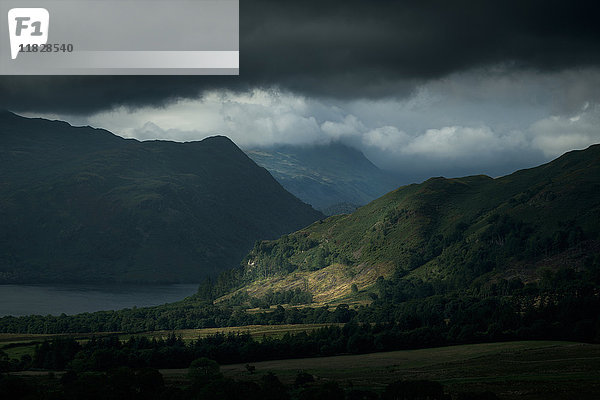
(530, 370)
(527, 370)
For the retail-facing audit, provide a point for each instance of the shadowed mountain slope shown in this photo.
(81, 204)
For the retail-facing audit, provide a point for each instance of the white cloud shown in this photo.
(386, 138)
(477, 122)
(349, 126)
(453, 142)
(557, 134)
(265, 118)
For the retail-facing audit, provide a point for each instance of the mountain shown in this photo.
(81, 204)
(329, 177)
(340, 208)
(457, 233)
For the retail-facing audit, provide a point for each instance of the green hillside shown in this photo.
(333, 178)
(452, 233)
(81, 204)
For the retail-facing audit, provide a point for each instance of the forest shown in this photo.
(406, 315)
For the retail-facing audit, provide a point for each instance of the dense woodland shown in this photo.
(561, 305)
(404, 315)
(107, 368)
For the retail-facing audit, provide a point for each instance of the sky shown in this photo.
(423, 88)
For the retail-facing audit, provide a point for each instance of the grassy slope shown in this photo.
(434, 229)
(513, 370)
(530, 370)
(328, 284)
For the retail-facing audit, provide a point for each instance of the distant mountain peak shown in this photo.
(325, 175)
(219, 139)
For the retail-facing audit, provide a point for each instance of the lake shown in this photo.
(70, 299)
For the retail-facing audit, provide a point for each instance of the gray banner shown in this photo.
(98, 37)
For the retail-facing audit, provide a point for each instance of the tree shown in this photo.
(303, 378)
(203, 370)
(272, 388)
(4, 362)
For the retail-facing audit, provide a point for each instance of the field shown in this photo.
(528, 370)
(512, 370)
(16, 345)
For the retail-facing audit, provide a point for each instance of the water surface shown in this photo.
(70, 299)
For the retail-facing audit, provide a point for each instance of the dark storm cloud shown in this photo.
(348, 49)
(85, 94)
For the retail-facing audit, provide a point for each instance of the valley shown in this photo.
(467, 286)
(283, 200)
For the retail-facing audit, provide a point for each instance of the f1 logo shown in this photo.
(27, 26)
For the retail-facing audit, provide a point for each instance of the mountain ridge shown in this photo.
(83, 204)
(455, 233)
(325, 176)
